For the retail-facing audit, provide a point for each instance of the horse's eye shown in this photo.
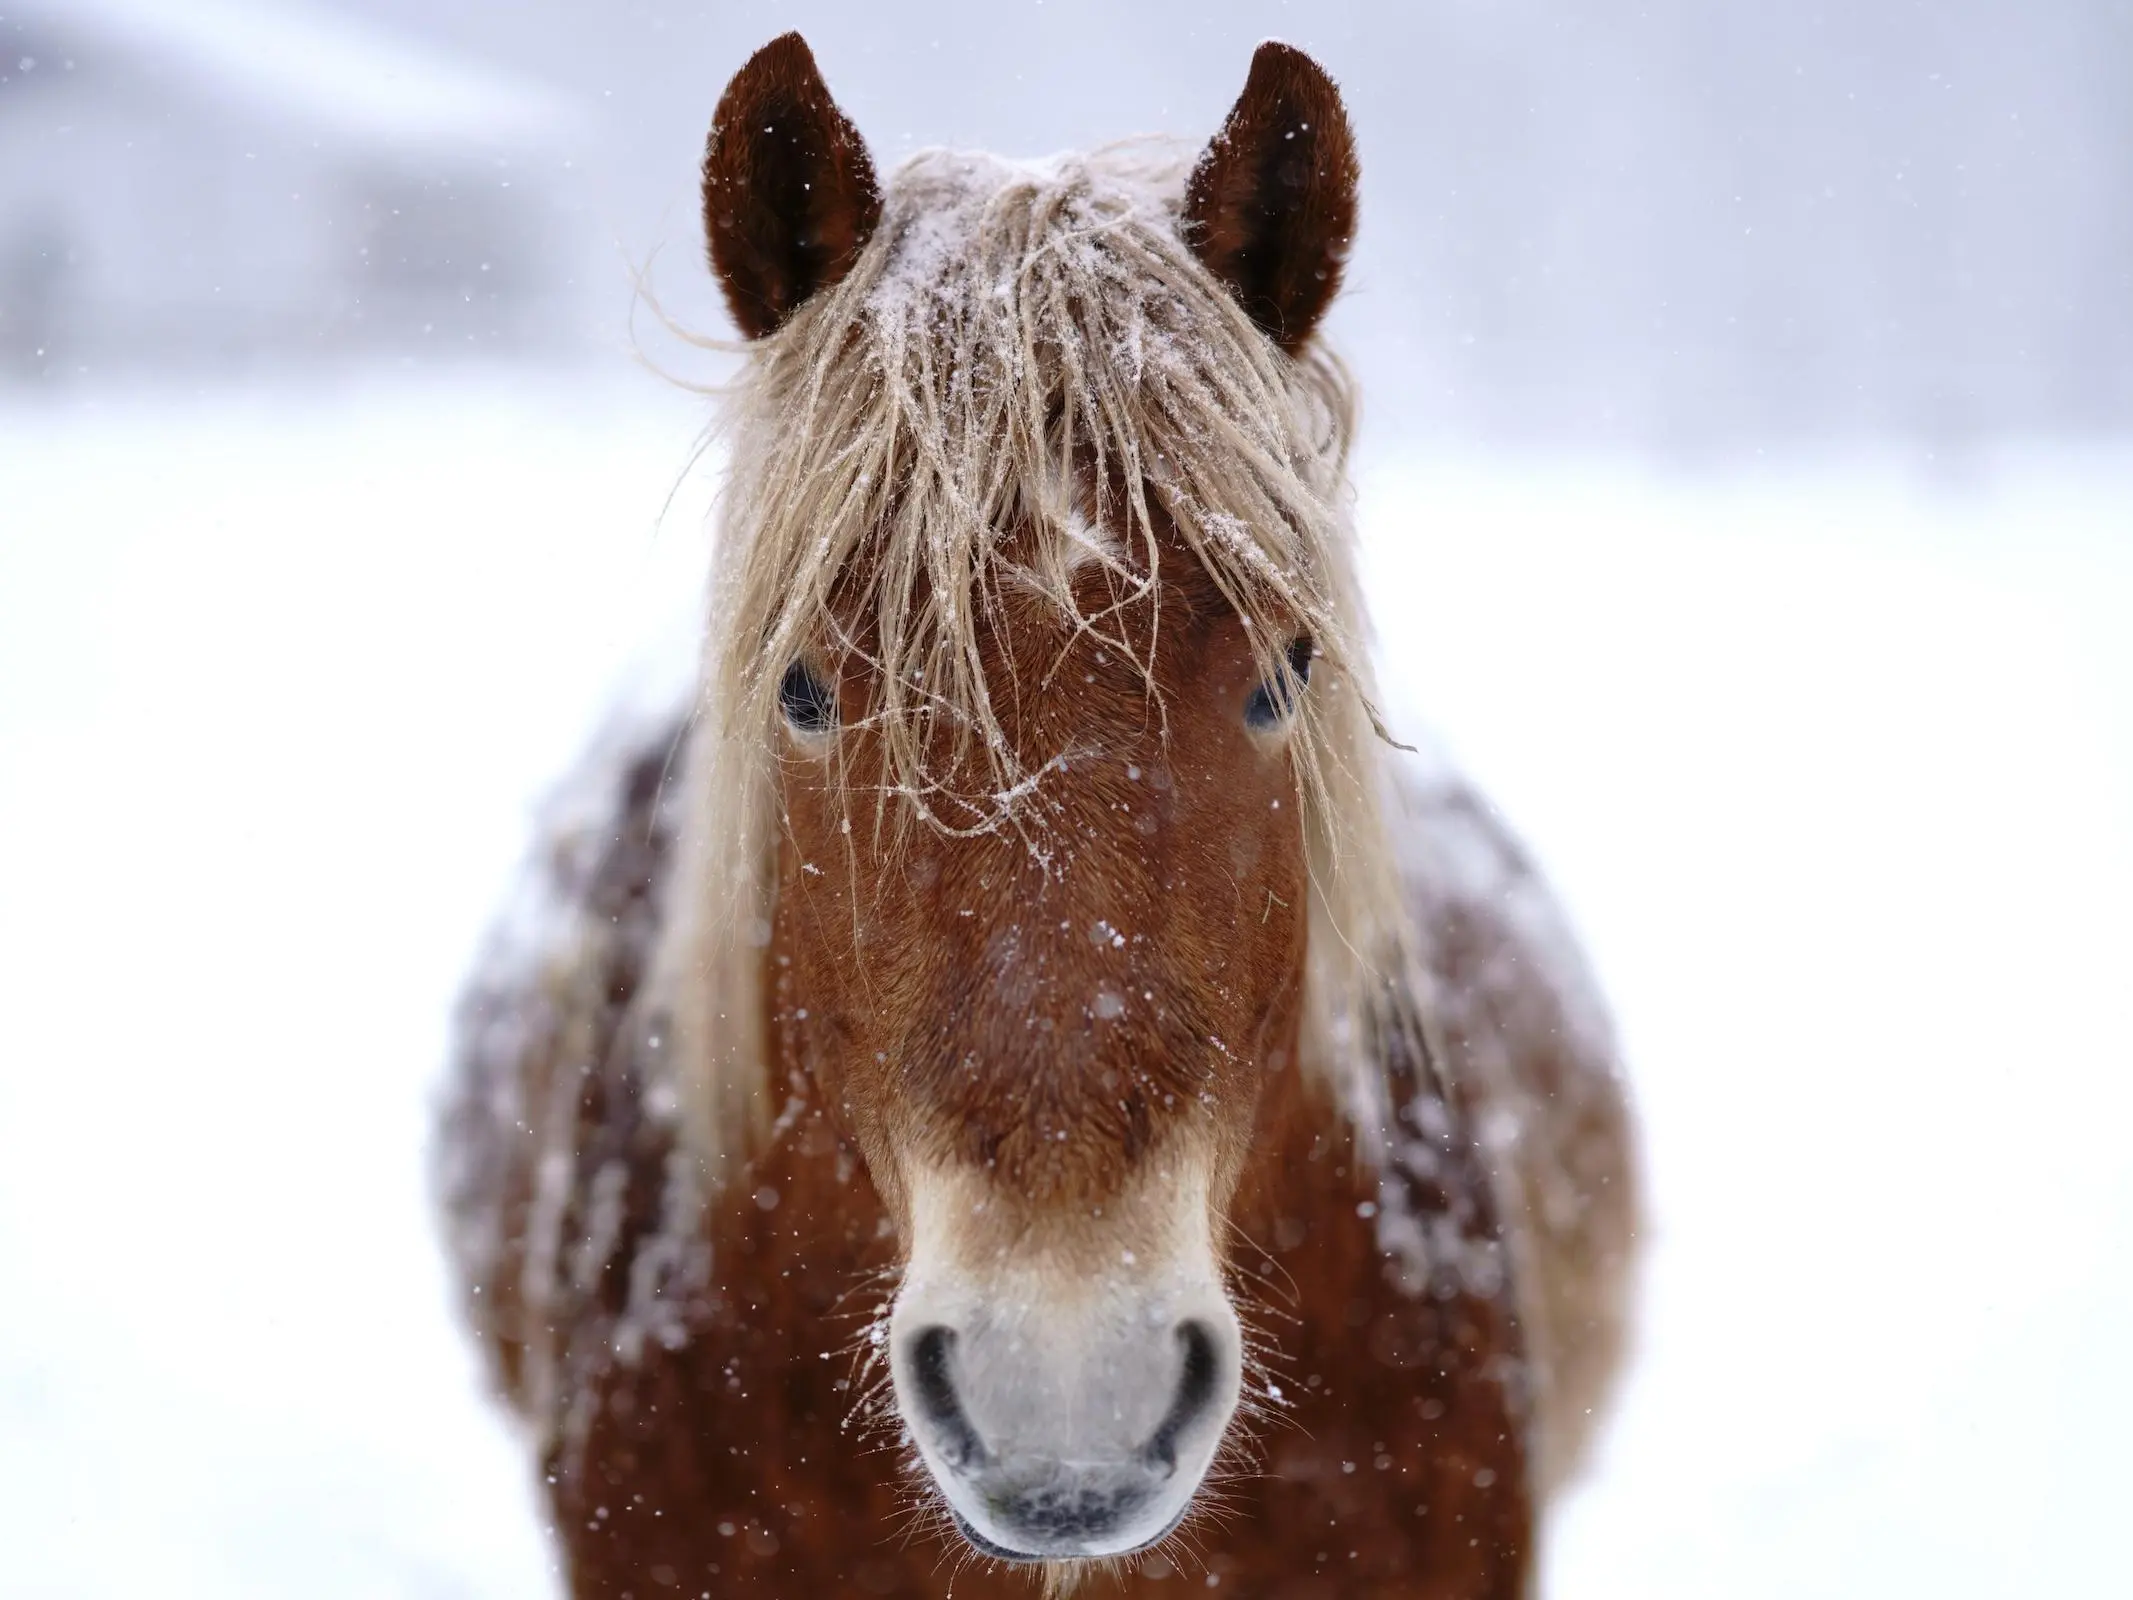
(806, 700)
(1272, 701)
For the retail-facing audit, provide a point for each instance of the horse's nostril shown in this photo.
(933, 1390)
(1195, 1396)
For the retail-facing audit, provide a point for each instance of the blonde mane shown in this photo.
(1010, 332)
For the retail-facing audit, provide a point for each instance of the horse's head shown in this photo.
(1032, 669)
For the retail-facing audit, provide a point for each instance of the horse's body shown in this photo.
(1323, 1181)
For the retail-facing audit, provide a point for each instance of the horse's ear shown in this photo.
(790, 197)
(1270, 206)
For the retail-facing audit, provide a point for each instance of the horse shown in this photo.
(1016, 1075)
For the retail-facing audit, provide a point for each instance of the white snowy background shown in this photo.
(1827, 742)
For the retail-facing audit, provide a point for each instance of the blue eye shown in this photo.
(806, 700)
(1271, 703)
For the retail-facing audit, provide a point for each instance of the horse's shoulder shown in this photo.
(558, 1166)
(1532, 1048)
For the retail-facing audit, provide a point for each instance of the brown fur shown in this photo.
(1042, 914)
(946, 995)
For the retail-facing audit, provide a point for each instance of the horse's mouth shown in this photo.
(1000, 1552)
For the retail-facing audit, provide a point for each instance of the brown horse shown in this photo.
(1018, 1072)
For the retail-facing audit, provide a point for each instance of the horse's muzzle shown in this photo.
(1066, 1432)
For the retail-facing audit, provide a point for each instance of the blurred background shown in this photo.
(1691, 225)
(1747, 498)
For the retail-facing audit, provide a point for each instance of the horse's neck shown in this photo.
(1305, 1160)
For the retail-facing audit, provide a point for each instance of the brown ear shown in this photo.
(790, 197)
(1270, 206)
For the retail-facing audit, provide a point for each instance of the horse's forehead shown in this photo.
(1147, 590)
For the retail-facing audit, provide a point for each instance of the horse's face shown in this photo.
(1048, 1039)
(1047, 1034)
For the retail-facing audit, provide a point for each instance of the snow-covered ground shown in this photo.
(1835, 770)
(1834, 765)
